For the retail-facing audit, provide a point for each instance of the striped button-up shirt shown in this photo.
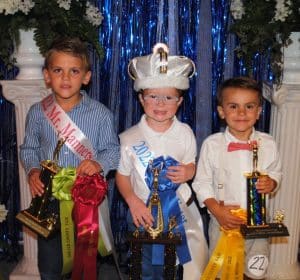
(94, 120)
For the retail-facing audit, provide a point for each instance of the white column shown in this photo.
(23, 94)
(285, 127)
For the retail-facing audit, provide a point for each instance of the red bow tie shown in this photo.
(234, 146)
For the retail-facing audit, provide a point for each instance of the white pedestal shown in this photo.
(23, 94)
(285, 127)
(28, 57)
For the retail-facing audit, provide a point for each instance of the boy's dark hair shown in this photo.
(72, 46)
(239, 82)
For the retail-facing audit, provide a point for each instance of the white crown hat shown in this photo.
(158, 70)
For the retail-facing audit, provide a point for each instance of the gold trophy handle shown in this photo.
(155, 202)
(60, 143)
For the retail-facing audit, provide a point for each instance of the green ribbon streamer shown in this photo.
(61, 189)
(101, 247)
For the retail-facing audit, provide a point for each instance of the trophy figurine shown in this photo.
(155, 203)
(155, 235)
(38, 217)
(257, 226)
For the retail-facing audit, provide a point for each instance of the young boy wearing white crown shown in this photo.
(161, 141)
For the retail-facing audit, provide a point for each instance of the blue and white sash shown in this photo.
(167, 191)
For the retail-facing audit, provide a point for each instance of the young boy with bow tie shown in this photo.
(224, 158)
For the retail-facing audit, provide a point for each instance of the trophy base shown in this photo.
(137, 239)
(264, 231)
(44, 228)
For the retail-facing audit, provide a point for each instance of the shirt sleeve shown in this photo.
(203, 182)
(272, 162)
(31, 147)
(190, 148)
(126, 161)
(125, 165)
(108, 149)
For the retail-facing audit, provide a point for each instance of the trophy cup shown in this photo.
(257, 226)
(38, 217)
(154, 235)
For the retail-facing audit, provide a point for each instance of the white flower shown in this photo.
(25, 6)
(237, 9)
(282, 10)
(66, 4)
(93, 15)
(10, 7)
(3, 213)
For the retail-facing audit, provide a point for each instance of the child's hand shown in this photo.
(140, 213)
(35, 184)
(181, 173)
(226, 219)
(265, 184)
(88, 167)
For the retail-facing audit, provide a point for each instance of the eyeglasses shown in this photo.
(154, 99)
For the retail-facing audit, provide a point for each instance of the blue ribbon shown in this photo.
(170, 207)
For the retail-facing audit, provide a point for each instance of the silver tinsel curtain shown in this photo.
(195, 28)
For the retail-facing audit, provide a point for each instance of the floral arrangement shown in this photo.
(263, 27)
(49, 19)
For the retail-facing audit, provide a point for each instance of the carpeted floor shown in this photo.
(107, 270)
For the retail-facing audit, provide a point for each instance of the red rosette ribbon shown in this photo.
(87, 193)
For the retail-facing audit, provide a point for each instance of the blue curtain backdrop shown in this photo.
(9, 182)
(197, 29)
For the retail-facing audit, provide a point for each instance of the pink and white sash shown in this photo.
(77, 142)
(81, 146)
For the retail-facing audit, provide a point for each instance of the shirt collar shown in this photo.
(230, 138)
(149, 132)
(85, 100)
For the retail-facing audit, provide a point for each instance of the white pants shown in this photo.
(253, 248)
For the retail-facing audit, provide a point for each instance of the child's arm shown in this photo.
(181, 173)
(108, 148)
(186, 169)
(30, 150)
(140, 213)
(223, 214)
(271, 166)
(88, 167)
(35, 184)
(266, 184)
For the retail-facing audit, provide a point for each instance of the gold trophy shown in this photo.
(38, 217)
(257, 226)
(155, 235)
(155, 202)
